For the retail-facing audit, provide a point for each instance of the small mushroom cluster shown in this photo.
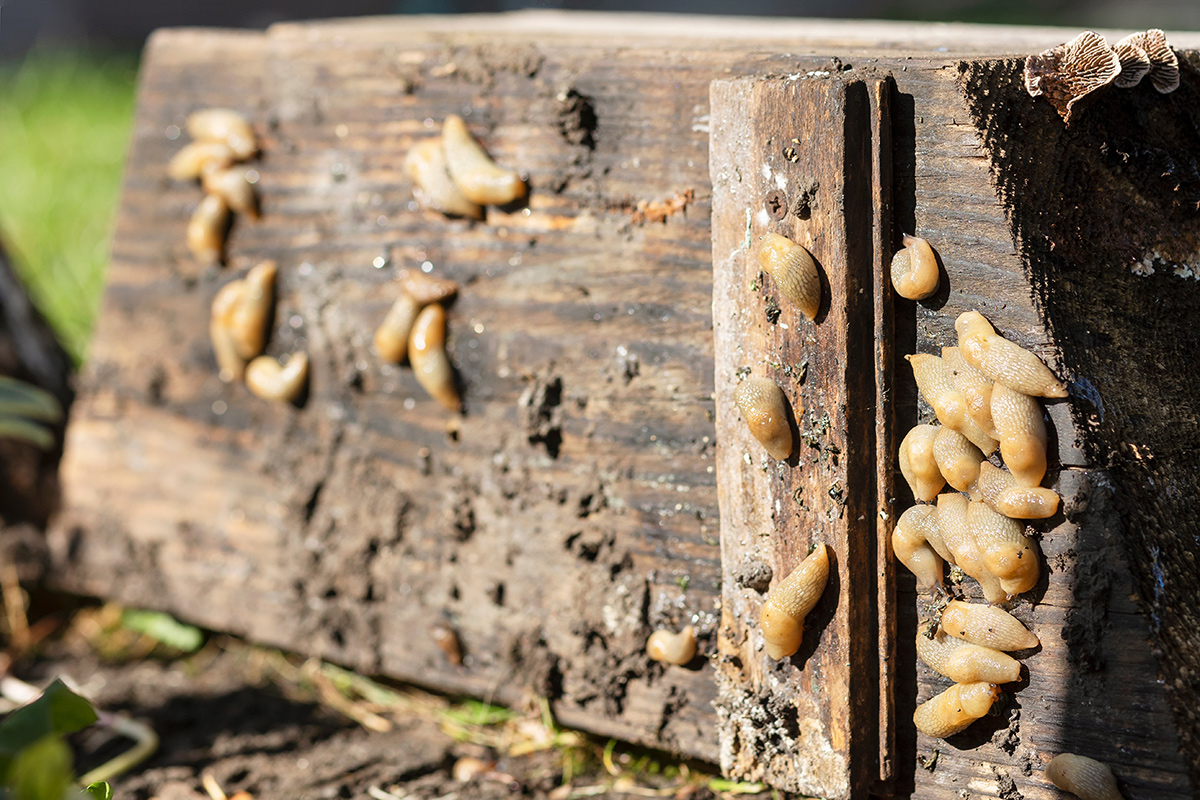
(453, 174)
(414, 330)
(1069, 72)
(241, 312)
(983, 392)
(223, 139)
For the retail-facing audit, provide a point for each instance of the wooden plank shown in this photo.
(793, 157)
(334, 529)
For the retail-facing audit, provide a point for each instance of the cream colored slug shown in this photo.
(988, 626)
(794, 272)
(226, 126)
(1086, 778)
(917, 462)
(1022, 434)
(914, 550)
(249, 316)
(230, 365)
(783, 612)
(915, 269)
(765, 409)
(1000, 490)
(976, 389)
(391, 337)
(956, 533)
(479, 178)
(1007, 552)
(206, 229)
(430, 362)
(672, 648)
(425, 289)
(432, 185)
(955, 709)
(268, 379)
(957, 459)
(234, 187)
(966, 663)
(935, 382)
(197, 158)
(1003, 361)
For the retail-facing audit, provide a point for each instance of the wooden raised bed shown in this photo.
(573, 507)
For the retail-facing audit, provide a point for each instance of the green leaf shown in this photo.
(100, 790)
(58, 711)
(42, 771)
(164, 628)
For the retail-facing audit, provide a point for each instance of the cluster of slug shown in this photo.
(452, 174)
(223, 138)
(241, 312)
(414, 330)
(983, 394)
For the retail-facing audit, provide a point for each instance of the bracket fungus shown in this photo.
(1145, 53)
(1068, 72)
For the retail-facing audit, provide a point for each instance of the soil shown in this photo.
(229, 712)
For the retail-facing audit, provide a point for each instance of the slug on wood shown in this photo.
(988, 626)
(270, 380)
(956, 533)
(206, 229)
(248, 318)
(1007, 552)
(918, 465)
(1000, 490)
(426, 289)
(765, 408)
(784, 610)
(197, 158)
(1003, 361)
(935, 382)
(1086, 778)
(976, 389)
(672, 648)
(226, 126)
(430, 362)
(956, 458)
(966, 663)
(432, 185)
(954, 709)
(447, 641)
(913, 549)
(230, 365)
(1022, 434)
(391, 337)
(793, 270)
(915, 269)
(233, 186)
(481, 180)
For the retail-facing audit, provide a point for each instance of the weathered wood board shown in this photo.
(573, 507)
(792, 156)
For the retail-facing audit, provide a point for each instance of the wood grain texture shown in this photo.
(560, 520)
(808, 723)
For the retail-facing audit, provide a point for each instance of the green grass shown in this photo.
(64, 126)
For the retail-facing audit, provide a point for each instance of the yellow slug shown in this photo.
(765, 409)
(249, 316)
(481, 180)
(915, 269)
(784, 610)
(1000, 490)
(957, 459)
(1003, 361)
(233, 186)
(976, 389)
(197, 158)
(391, 337)
(1007, 552)
(268, 379)
(1086, 778)
(918, 465)
(432, 185)
(954, 709)
(794, 272)
(672, 648)
(206, 229)
(430, 362)
(988, 626)
(226, 126)
(1022, 434)
(914, 550)
(230, 365)
(956, 533)
(425, 289)
(966, 663)
(935, 381)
